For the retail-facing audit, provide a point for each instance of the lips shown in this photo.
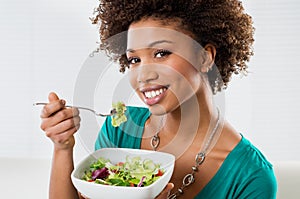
(154, 94)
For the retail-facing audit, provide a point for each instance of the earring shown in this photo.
(205, 69)
(216, 86)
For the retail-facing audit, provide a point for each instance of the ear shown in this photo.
(208, 57)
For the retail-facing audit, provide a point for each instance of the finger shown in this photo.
(166, 192)
(63, 138)
(83, 196)
(52, 107)
(63, 114)
(62, 127)
(169, 188)
(58, 117)
(52, 97)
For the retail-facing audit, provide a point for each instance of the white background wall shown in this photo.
(44, 44)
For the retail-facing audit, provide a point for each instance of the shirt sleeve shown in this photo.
(105, 137)
(128, 134)
(260, 184)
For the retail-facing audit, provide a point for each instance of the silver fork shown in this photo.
(112, 112)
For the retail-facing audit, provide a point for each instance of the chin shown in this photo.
(157, 109)
(163, 108)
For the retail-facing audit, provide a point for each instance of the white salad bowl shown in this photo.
(116, 155)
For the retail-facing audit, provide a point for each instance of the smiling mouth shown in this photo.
(154, 93)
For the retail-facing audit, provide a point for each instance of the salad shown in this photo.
(134, 172)
(119, 117)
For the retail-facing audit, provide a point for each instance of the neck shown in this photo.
(187, 124)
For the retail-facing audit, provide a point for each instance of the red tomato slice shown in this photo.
(160, 173)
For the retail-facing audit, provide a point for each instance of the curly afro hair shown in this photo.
(222, 23)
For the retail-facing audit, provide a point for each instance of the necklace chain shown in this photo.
(189, 178)
(155, 140)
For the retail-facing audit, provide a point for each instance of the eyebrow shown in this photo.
(151, 45)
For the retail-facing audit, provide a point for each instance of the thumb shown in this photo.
(166, 192)
(52, 97)
(169, 187)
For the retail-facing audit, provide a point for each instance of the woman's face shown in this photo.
(164, 65)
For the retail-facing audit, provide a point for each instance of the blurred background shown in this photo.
(45, 46)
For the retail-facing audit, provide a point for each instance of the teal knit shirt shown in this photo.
(245, 173)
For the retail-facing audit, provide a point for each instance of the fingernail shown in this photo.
(172, 186)
(63, 102)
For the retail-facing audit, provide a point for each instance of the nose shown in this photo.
(146, 73)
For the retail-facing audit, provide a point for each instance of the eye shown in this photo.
(162, 53)
(133, 60)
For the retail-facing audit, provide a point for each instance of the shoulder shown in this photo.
(255, 176)
(245, 173)
(252, 154)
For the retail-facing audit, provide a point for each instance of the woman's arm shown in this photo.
(60, 124)
(60, 180)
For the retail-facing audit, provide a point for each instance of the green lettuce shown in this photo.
(119, 117)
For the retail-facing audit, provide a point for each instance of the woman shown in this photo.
(179, 53)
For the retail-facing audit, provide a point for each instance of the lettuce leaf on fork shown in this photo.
(119, 117)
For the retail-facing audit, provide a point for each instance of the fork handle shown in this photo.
(68, 106)
(79, 107)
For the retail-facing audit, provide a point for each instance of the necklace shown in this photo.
(189, 178)
(155, 140)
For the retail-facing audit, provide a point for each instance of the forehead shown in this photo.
(145, 34)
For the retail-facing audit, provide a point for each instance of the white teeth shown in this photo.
(148, 94)
(154, 93)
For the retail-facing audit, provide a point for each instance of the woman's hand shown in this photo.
(81, 196)
(60, 123)
(166, 192)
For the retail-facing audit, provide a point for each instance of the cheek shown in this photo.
(185, 80)
(132, 75)
(188, 72)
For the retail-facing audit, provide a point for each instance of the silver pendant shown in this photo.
(155, 141)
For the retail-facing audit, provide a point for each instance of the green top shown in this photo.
(245, 173)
